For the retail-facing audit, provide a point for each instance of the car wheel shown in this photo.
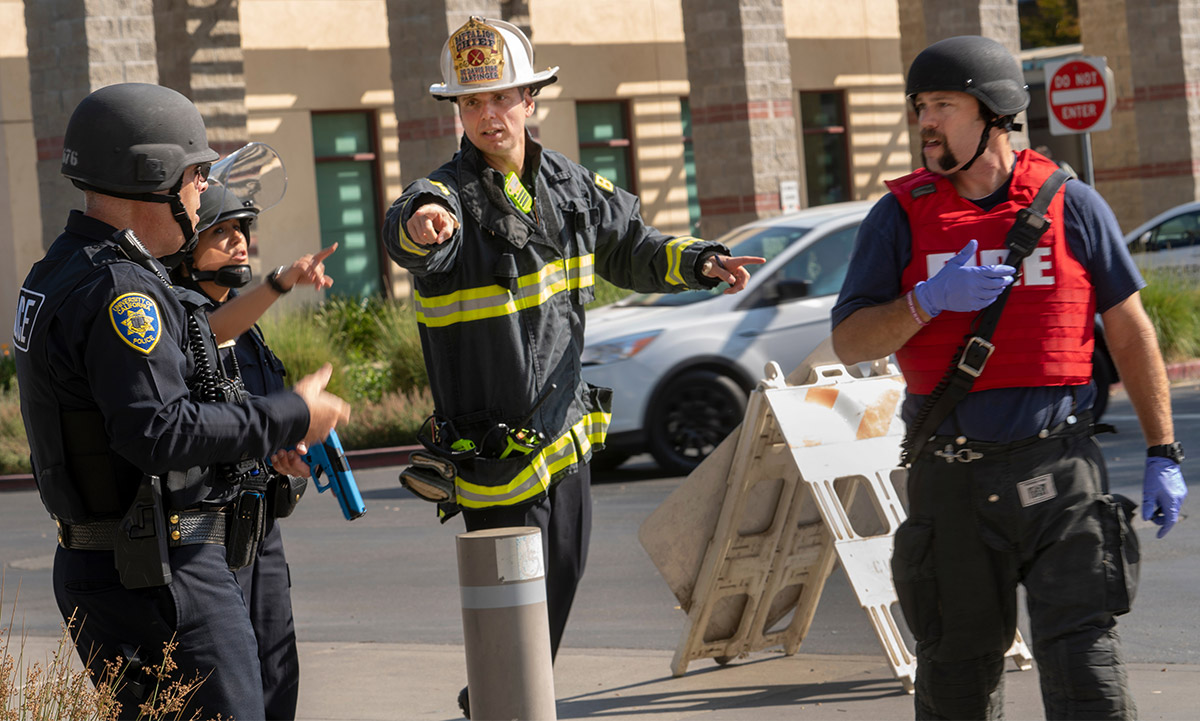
(691, 416)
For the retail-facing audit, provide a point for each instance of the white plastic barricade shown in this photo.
(810, 477)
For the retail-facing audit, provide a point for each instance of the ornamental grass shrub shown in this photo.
(59, 688)
(1172, 300)
(379, 369)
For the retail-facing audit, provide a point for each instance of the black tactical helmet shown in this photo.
(218, 204)
(134, 138)
(971, 64)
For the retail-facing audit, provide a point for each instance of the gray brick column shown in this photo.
(76, 47)
(743, 127)
(1147, 163)
(924, 22)
(428, 129)
(200, 55)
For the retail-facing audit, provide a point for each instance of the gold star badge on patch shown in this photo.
(138, 323)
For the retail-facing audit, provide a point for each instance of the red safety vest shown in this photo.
(1045, 334)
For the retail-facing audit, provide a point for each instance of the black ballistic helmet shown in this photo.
(217, 205)
(978, 66)
(132, 139)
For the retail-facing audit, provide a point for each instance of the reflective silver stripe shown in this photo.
(491, 301)
(504, 596)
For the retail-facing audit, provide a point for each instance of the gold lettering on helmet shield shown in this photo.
(478, 52)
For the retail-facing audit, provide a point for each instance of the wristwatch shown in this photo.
(1174, 451)
(273, 280)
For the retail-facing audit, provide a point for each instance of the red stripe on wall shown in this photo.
(730, 204)
(737, 112)
(50, 148)
(428, 128)
(1186, 168)
(1157, 93)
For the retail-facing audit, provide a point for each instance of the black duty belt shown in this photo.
(184, 528)
(964, 450)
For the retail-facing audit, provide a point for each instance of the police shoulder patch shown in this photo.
(603, 183)
(137, 321)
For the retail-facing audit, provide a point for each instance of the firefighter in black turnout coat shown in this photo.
(504, 242)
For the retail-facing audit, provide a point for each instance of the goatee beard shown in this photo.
(948, 161)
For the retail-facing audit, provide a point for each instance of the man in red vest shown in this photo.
(1006, 484)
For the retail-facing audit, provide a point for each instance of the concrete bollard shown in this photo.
(506, 629)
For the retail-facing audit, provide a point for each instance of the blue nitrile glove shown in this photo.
(960, 287)
(1163, 492)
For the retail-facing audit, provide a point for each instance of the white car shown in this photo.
(682, 365)
(1170, 239)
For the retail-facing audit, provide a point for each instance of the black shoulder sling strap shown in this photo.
(971, 357)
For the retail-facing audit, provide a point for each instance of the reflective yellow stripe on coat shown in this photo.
(493, 301)
(675, 250)
(534, 479)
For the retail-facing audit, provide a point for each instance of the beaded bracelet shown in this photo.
(912, 308)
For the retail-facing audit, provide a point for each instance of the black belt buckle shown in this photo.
(975, 356)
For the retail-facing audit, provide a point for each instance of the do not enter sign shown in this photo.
(1077, 96)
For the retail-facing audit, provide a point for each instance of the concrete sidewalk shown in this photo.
(399, 682)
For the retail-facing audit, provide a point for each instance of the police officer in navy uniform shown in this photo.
(217, 267)
(140, 474)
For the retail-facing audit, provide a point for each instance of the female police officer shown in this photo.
(217, 267)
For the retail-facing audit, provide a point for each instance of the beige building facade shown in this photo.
(638, 99)
(314, 63)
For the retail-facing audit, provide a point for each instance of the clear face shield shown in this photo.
(248, 181)
(252, 176)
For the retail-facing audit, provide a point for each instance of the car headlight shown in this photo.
(617, 348)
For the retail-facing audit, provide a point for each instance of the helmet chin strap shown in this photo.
(227, 276)
(184, 220)
(178, 211)
(1003, 121)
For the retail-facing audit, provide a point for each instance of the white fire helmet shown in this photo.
(488, 55)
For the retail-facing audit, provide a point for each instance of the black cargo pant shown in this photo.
(1037, 513)
(565, 517)
(267, 587)
(202, 610)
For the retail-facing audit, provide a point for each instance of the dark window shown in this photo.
(689, 165)
(1182, 231)
(823, 264)
(604, 145)
(347, 200)
(826, 146)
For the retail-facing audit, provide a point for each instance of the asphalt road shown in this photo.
(390, 576)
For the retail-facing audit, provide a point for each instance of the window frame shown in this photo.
(824, 130)
(372, 157)
(625, 142)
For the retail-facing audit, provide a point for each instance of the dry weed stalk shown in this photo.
(54, 691)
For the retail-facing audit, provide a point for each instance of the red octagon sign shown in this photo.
(1077, 96)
